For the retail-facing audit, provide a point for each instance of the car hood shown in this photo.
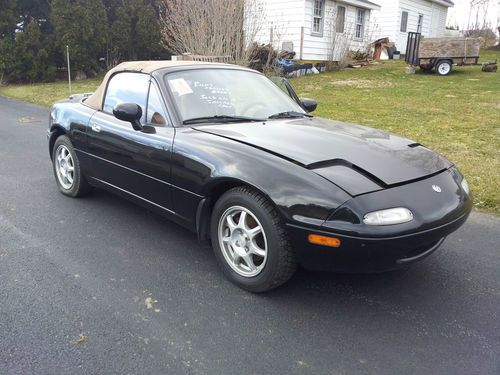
(356, 158)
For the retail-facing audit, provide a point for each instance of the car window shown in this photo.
(278, 81)
(156, 114)
(127, 88)
(226, 92)
(284, 86)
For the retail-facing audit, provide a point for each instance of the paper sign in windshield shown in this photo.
(180, 86)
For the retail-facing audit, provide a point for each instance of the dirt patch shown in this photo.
(361, 83)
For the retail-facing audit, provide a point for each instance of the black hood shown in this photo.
(356, 158)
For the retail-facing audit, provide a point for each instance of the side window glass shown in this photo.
(278, 81)
(156, 114)
(127, 88)
(286, 88)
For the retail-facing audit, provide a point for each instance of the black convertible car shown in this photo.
(238, 159)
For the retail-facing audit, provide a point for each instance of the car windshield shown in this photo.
(228, 95)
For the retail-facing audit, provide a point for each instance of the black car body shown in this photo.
(322, 177)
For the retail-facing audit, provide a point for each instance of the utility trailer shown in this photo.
(441, 53)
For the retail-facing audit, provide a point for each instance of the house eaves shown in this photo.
(365, 4)
(446, 3)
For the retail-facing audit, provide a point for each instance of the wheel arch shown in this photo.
(56, 131)
(216, 189)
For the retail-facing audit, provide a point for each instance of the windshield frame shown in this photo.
(162, 75)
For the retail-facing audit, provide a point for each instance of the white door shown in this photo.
(403, 28)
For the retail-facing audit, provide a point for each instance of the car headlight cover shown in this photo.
(390, 216)
(465, 185)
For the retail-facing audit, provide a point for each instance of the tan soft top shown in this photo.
(96, 99)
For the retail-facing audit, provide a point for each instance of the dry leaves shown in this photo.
(81, 339)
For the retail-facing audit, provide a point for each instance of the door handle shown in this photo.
(96, 128)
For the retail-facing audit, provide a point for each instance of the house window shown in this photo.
(404, 22)
(360, 24)
(340, 23)
(318, 17)
(420, 23)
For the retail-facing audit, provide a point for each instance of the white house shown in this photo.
(326, 29)
(398, 17)
(316, 29)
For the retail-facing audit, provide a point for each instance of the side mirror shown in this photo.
(129, 112)
(309, 104)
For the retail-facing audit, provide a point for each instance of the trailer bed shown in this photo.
(449, 47)
(429, 53)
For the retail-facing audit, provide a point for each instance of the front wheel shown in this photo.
(443, 68)
(67, 172)
(250, 241)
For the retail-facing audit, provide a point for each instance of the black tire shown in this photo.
(443, 68)
(281, 262)
(79, 186)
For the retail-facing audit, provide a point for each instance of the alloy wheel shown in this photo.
(243, 241)
(65, 168)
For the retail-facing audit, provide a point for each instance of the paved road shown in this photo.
(88, 266)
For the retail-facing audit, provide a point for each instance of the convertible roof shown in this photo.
(95, 100)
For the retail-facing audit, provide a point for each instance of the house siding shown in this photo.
(286, 18)
(383, 20)
(320, 47)
(388, 20)
(439, 16)
(316, 47)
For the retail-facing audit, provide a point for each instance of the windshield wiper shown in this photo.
(220, 118)
(289, 114)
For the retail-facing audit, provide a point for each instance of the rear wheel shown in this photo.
(67, 172)
(250, 241)
(443, 68)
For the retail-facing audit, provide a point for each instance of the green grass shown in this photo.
(457, 115)
(45, 94)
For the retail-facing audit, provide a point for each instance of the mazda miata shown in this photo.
(238, 159)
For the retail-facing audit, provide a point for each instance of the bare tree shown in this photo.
(211, 27)
(478, 15)
(478, 24)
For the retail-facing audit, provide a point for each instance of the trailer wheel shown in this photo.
(443, 68)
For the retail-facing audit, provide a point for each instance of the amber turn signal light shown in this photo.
(323, 240)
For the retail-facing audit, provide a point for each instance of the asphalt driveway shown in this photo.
(100, 286)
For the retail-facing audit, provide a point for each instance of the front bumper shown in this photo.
(358, 254)
(366, 248)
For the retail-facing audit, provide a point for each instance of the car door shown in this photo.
(130, 161)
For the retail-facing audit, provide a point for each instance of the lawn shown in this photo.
(457, 115)
(45, 94)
